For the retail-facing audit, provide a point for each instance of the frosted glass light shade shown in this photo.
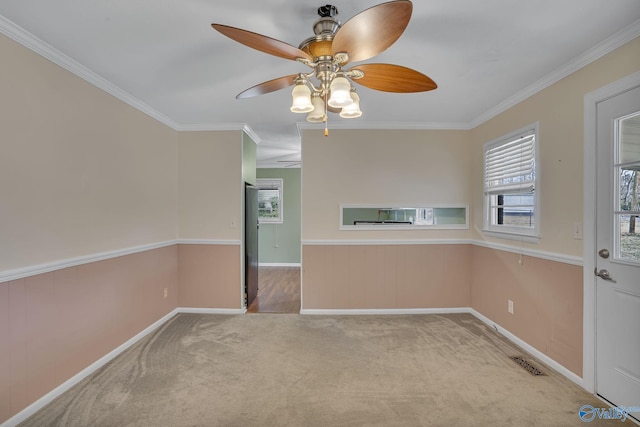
(352, 110)
(301, 99)
(340, 92)
(317, 115)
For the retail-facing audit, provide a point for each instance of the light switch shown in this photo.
(577, 231)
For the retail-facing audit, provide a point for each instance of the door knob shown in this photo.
(603, 274)
(604, 253)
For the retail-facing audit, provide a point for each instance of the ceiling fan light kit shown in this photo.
(352, 110)
(328, 87)
(301, 98)
(317, 115)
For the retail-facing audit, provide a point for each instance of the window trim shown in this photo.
(272, 184)
(531, 235)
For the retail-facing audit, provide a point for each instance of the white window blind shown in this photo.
(510, 165)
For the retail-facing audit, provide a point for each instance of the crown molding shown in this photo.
(28, 40)
(254, 136)
(359, 125)
(596, 52)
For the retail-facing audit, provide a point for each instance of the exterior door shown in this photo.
(618, 250)
(251, 243)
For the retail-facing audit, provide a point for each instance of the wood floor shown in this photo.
(278, 290)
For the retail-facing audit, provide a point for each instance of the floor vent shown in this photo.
(526, 365)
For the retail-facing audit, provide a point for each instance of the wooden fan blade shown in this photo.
(393, 78)
(372, 31)
(262, 43)
(270, 86)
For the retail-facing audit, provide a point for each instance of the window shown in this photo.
(403, 217)
(269, 200)
(510, 184)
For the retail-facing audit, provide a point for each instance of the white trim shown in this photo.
(210, 127)
(28, 40)
(208, 242)
(279, 264)
(596, 52)
(360, 125)
(392, 226)
(550, 256)
(502, 231)
(506, 235)
(49, 397)
(530, 349)
(502, 331)
(47, 51)
(383, 311)
(589, 217)
(20, 273)
(254, 136)
(378, 242)
(194, 310)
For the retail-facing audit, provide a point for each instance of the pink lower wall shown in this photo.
(386, 276)
(53, 325)
(209, 276)
(547, 297)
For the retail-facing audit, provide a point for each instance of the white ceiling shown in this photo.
(163, 57)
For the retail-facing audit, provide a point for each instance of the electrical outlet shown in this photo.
(166, 292)
(510, 306)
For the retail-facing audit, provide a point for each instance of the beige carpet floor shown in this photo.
(293, 370)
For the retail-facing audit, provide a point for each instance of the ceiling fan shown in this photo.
(328, 86)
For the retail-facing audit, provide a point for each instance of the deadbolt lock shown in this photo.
(604, 253)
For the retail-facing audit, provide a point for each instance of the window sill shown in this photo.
(528, 238)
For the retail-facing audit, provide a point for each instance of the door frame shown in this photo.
(591, 101)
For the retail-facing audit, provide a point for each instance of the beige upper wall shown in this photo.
(385, 167)
(559, 110)
(211, 187)
(80, 171)
(427, 166)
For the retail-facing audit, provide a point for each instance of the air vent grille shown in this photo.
(527, 366)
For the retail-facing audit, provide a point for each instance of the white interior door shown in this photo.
(618, 258)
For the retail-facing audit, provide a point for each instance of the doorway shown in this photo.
(279, 291)
(251, 243)
(612, 293)
(279, 206)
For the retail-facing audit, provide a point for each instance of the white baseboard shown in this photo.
(47, 398)
(211, 310)
(502, 331)
(279, 264)
(383, 311)
(532, 350)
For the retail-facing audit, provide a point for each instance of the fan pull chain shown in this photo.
(325, 118)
